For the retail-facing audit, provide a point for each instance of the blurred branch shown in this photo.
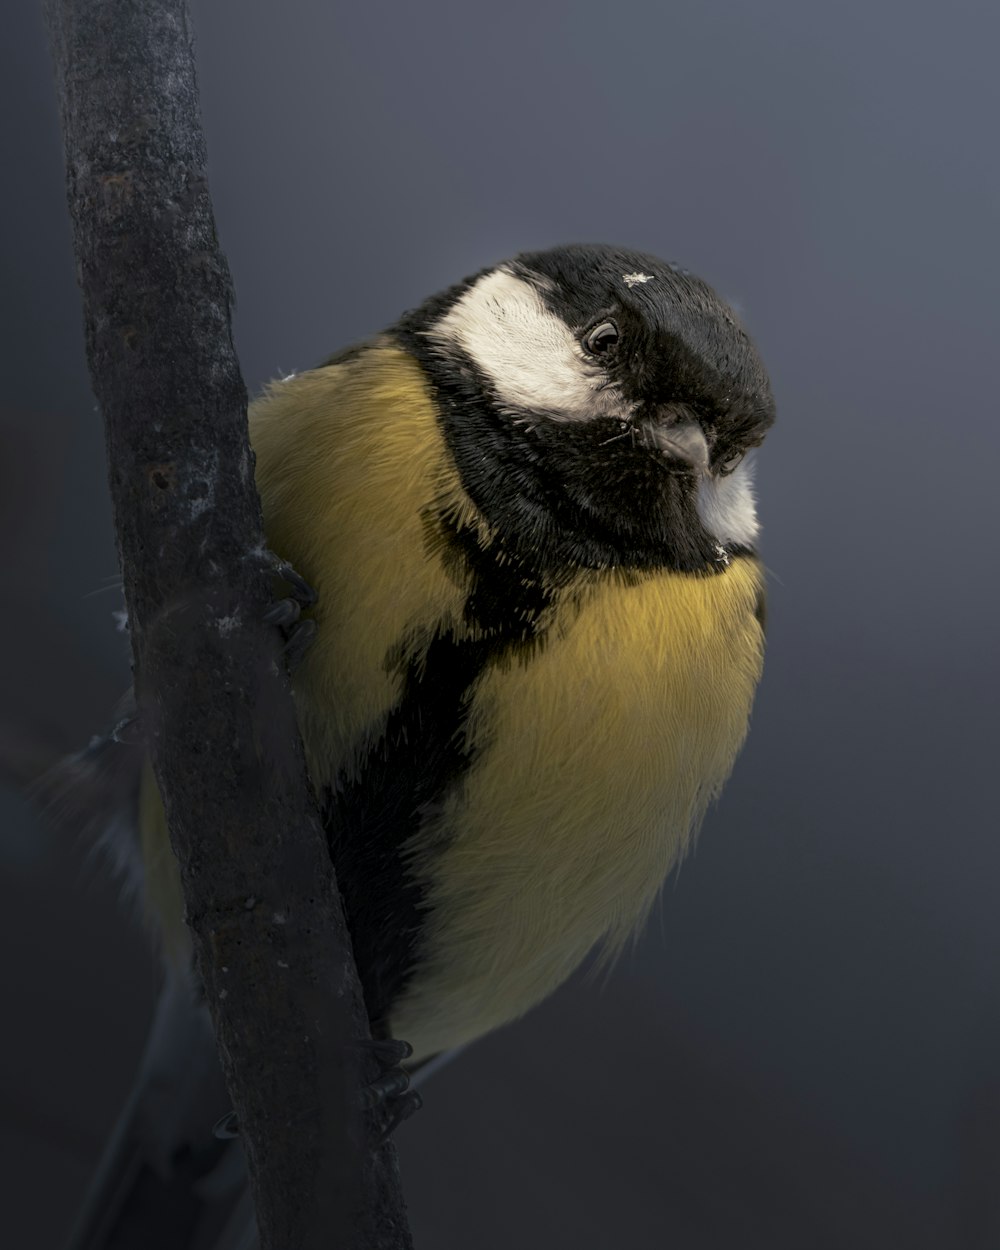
(213, 694)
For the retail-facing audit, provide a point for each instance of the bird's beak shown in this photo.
(685, 441)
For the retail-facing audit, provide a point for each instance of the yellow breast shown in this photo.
(603, 751)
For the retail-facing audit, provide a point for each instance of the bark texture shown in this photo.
(211, 684)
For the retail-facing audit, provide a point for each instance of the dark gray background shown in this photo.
(803, 1051)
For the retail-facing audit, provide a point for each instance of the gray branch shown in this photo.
(210, 680)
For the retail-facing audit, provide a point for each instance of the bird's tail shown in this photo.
(165, 1181)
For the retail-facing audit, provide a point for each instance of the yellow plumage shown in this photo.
(603, 752)
(348, 459)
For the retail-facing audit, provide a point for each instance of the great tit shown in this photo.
(527, 513)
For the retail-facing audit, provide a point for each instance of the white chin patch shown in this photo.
(727, 507)
(530, 356)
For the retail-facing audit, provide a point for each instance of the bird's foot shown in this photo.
(286, 613)
(390, 1090)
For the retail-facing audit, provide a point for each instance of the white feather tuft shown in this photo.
(728, 508)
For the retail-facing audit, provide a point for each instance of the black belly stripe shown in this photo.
(418, 759)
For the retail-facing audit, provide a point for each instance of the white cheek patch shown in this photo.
(727, 506)
(530, 355)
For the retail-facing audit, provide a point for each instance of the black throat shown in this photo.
(562, 496)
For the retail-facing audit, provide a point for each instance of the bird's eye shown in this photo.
(600, 339)
(732, 463)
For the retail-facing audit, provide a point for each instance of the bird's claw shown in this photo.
(226, 1127)
(298, 643)
(284, 612)
(405, 1106)
(389, 1051)
(302, 592)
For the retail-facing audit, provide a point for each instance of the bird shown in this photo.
(528, 515)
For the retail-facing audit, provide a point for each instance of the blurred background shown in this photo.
(804, 1048)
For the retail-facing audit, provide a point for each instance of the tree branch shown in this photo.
(212, 690)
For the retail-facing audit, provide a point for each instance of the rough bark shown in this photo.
(211, 685)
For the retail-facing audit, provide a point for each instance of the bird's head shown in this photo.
(600, 404)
